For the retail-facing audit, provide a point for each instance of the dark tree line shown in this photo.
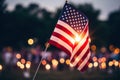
(35, 22)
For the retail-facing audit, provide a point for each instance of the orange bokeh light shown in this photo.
(44, 62)
(94, 59)
(117, 51)
(54, 62)
(110, 63)
(103, 65)
(62, 60)
(93, 48)
(28, 62)
(18, 56)
(23, 61)
(68, 61)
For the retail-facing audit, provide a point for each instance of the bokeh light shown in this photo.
(28, 62)
(23, 61)
(119, 64)
(94, 59)
(93, 47)
(111, 48)
(54, 62)
(44, 62)
(22, 66)
(67, 61)
(90, 65)
(18, 56)
(116, 51)
(18, 63)
(30, 41)
(103, 49)
(1, 67)
(27, 65)
(116, 63)
(47, 66)
(95, 64)
(71, 65)
(62, 60)
(103, 59)
(110, 63)
(103, 65)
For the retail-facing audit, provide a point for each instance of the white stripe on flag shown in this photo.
(68, 37)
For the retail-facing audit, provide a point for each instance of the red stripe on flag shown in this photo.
(63, 38)
(65, 30)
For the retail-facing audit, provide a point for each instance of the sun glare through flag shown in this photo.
(71, 34)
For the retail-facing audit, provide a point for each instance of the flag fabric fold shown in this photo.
(71, 34)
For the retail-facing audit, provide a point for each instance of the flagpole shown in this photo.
(46, 47)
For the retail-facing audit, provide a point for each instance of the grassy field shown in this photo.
(17, 74)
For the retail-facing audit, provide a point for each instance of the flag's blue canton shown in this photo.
(74, 18)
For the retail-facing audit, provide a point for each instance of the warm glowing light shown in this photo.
(23, 61)
(27, 65)
(77, 38)
(54, 62)
(103, 59)
(18, 63)
(44, 62)
(99, 60)
(77, 59)
(62, 60)
(94, 59)
(71, 65)
(90, 65)
(1, 67)
(89, 40)
(18, 56)
(116, 63)
(30, 41)
(22, 66)
(112, 48)
(28, 62)
(116, 51)
(119, 64)
(93, 47)
(95, 64)
(103, 65)
(103, 49)
(110, 63)
(47, 67)
(68, 61)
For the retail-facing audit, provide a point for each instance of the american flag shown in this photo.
(71, 34)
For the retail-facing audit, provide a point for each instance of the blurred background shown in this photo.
(26, 26)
